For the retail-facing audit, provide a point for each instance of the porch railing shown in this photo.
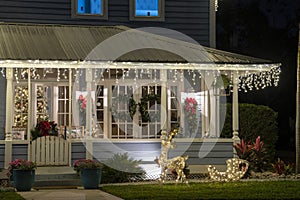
(50, 150)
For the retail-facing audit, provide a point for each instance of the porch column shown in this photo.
(163, 103)
(70, 100)
(89, 147)
(9, 100)
(235, 109)
(9, 116)
(29, 114)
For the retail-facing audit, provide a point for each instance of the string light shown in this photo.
(176, 163)
(236, 169)
(58, 75)
(16, 75)
(252, 76)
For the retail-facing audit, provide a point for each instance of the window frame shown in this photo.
(103, 16)
(159, 18)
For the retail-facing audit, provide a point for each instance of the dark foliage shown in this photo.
(280, 167)
(254, 121)
(255, 153)
(121, 168)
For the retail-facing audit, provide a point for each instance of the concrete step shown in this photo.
(63, 176)
(57, 183)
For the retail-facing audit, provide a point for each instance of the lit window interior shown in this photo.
(89, 7)
(146, 8)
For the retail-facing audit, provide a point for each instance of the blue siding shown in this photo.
(2, 154)
(190, 17)
(20, 151)
(204, 153)
(2, 105)
(78, 151)
(147, 152)
(199, 153)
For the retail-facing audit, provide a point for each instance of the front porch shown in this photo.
(128, 101)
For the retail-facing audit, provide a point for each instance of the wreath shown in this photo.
(123, 99)
(143, 106)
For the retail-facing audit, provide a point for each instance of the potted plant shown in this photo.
(90, 172)
(23, 173)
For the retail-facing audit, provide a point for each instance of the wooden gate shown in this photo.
(50, 150)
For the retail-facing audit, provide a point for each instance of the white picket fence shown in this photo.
(50, 150)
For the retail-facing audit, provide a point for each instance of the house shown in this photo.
(112, 84)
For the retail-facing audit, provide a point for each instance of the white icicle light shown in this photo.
(252, 76)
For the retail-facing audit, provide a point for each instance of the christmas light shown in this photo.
(236, 169)
(252, 76)
(177, 163)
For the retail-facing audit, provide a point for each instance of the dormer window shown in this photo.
(89, 9)
(93, 7)
(147, 10)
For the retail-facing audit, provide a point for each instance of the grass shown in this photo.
(9, 195)
(209, 190)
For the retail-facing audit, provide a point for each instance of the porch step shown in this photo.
(56, 177)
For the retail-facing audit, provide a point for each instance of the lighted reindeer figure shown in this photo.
(176, 163)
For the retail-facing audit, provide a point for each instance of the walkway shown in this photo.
(66, 194)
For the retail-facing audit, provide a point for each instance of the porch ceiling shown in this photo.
(25, 42)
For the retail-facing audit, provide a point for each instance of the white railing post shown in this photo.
(235, 110)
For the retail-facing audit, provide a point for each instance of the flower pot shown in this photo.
(91, 178)
(23, 179)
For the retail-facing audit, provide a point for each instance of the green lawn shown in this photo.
(211, 190)
(10, 196)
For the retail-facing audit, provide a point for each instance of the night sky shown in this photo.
(265, 29)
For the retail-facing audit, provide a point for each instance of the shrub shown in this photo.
(254, 121)
(255, 153)
(280, 167)
(121, 168)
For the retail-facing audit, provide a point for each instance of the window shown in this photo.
(63, 105)
(147, 10)
(89, 9)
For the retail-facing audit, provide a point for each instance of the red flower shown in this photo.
(45, 127)
(82, 103)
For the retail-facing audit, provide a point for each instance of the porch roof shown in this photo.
(27, 42)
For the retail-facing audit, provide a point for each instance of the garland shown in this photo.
(123, 99)
(143, 106)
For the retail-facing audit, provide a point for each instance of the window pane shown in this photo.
(147, 8)
(100, 116)
(89, 7)
(61, 106)
(173, 115)
(61, 92)
(173, 103)
(67, 105)
(67, 92)
(100, 104)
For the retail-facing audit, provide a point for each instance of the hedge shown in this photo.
(254, 121)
